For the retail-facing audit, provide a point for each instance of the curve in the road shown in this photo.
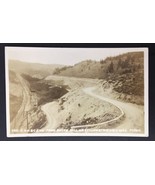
(134, 114)
(51, 124)
(90, 92)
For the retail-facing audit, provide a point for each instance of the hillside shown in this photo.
(125, 63)
(123, 73)
(34, 69)
(84, 69)
(45, 91)
(14, 95)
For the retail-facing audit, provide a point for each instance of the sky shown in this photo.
(64, 56)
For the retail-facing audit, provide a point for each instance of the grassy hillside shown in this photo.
(33, 69)
(126, 63)
(84, 69)
(125, 72)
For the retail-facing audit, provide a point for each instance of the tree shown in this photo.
(111, 68)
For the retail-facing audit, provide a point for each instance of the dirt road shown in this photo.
(51, 121)
(134, 114)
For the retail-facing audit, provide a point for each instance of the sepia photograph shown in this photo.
(76, 91)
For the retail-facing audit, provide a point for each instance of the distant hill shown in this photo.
(33, 69)
(125, 63)
(84, 69)
(127, 68)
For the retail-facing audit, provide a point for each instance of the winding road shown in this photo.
(51, 121)
(134, 114)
